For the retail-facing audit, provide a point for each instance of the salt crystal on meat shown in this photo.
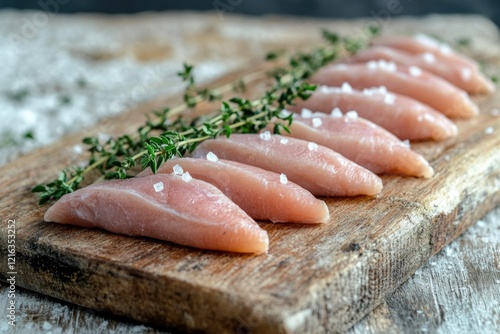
(178, 170)
(316, 122)
(336, 113)
(212, 157)
(389, 98)
(285, 113)
(465, 74)
(352, 114)
(306, 113)
(186, 177)
(372, 65)
(312, 146)
(265, 135)
(158, 186)
(429, 58)
(415, 71)
(346, 87)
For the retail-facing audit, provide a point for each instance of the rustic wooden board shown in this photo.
(455, 292)
(314, 279)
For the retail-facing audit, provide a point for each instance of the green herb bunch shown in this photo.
(159, 139)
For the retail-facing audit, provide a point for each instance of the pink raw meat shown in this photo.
(423, 86)
(316, 168)
(469, 79)
(192, 213)
(363, 142)
(405, 117)
(260, 193)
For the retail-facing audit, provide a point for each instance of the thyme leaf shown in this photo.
(160, 139)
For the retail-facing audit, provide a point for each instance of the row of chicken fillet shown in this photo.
(357, 124)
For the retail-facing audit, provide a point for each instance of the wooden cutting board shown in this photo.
(314, 278)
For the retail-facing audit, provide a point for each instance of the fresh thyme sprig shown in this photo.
(114, 158)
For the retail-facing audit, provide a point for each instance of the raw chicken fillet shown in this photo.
(167, 207)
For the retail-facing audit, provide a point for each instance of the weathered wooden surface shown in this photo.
(455, 292)
(314, 278)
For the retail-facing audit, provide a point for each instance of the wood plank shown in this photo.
(313, 279)
(455, 292)
(470, 266)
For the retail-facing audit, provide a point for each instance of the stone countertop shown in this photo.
(63, 73)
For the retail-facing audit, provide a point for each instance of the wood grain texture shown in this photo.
(314, 279)
(422, 304)
(465, 266)
(455, 292)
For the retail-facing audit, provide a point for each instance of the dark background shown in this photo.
(317, 8)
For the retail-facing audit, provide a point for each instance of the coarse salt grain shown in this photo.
(489, 130)
(306, 113)
(429, 118)
(265, 135)
(448, 251)
(352, 114)
(186, 177)
(389, 66)
(284, 141)
(429, 58)
(178, 170)
(415, 71)
(368, 92)
(158, 186)
(465, 74)
(427, 40)
(405, 143)
(283, 179)
(316, 122)
(389, 98)
(285, 113)
(445, 49)
(312, 146)
(336, 113)
(346, 87)
(372, 65)
(77, 149)
(327, 89)
(212, 157)
(371, 91)
(324, 89)
(103, 137)
(28, 116)
(374, 90)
